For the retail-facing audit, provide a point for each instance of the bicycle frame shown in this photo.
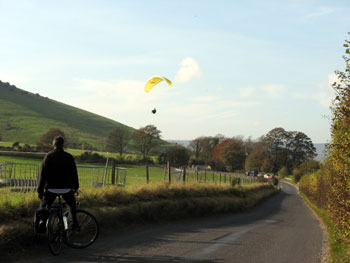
(58, 209)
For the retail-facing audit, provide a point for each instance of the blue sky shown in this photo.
(237, 67)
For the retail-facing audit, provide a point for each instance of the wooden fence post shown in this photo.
(169, 172)
(147, 172)
(184, 174)
(113, 171)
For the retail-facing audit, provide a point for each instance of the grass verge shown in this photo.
(116, 208)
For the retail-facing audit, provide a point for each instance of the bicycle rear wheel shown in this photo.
(54, 234)
(88, 233)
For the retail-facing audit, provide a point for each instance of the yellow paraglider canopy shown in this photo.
(154, 81)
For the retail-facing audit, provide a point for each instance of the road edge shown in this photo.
(325, 254)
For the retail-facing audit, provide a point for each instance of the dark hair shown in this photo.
(58, 142)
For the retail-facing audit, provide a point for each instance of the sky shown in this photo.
(237, 67)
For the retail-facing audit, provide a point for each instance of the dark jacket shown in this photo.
(58, 170)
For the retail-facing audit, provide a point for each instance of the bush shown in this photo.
(283, 172)
(305, 168)
(235, 181)
(297, 174)
(89, 157)
(316, 186)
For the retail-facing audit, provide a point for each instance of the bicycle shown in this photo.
(59, 226)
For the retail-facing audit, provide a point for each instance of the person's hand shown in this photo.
(40, 195)
(76, 192)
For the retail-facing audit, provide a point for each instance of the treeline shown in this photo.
(277, 150)
(329, 188)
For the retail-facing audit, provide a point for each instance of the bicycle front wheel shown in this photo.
(54, 234)
(88, 232)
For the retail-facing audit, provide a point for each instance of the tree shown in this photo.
(73, 139)
(178, 156)
(288, 148)
(301, 148)
(145, 139)
(339, 197)
(256, 157)
(276, 142)
(267, 165)
(196, 146)
(283, 172)
(233, 154)
(202, 147)
(118, 139)
(217, 155)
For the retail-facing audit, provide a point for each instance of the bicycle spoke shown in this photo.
(88, 230)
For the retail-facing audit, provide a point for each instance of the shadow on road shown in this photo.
(150, 237)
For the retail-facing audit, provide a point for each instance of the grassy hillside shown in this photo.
(25, 117)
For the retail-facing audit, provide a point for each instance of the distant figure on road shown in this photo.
(59, 174)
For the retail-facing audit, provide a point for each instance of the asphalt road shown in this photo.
(282, 230)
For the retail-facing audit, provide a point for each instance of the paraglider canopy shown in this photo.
(154, 81)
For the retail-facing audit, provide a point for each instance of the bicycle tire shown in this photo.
(54, 234)
(89, 230)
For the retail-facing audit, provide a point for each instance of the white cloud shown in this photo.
(326, 93)
(274, 91)
(189, 69)
(321, 12)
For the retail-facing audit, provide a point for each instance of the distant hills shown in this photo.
(25, 117)
(321, 151)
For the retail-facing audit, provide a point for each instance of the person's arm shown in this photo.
(75, 175)
(42, 178)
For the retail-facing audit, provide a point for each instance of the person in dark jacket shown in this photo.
(58, 173)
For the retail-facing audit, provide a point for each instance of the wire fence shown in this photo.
(24, 177)
(210, 176)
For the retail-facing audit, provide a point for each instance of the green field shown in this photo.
(96, 174)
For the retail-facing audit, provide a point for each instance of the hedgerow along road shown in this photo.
(282, 229)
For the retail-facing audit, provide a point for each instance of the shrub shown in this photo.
(317, 186)
(283, 172)
(297, 174)
(89, 157)
(235, 181)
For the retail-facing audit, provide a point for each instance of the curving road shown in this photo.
(281, 230)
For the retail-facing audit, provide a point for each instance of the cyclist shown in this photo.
(58, 174)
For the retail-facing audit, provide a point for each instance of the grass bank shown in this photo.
(339, 252)
(116, 208)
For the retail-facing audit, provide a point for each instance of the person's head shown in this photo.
(58, 142)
